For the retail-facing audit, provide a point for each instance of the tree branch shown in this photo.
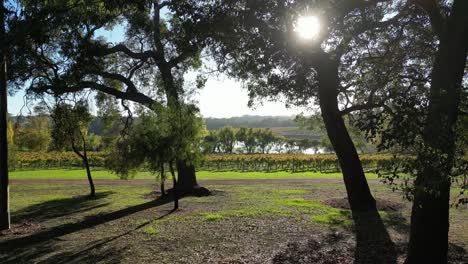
(435, 15)
(101, 52)
(361, 107)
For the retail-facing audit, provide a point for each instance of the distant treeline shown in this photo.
(251, 121)
(96, 126)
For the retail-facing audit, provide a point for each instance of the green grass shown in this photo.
(64, 174)
(212, 217)
(292, 191)
(30, 201)
(152, 230)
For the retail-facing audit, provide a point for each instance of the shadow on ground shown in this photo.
(42, 246)
(371, 244)
(59, 208)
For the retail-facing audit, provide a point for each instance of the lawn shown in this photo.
(62, 174)
(245, 223)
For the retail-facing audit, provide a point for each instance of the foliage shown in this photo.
(158, 139)
(70, 125)
(12, 150)
(220, 162)
(292, 162)
(53, 159)
(227, 139)
(34, 134)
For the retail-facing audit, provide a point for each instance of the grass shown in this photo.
(241, 223)
(152, 230)
(73, 174)
(292, 191)
(212, 217)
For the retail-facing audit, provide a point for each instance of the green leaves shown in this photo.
(70, 124)
(159, 137)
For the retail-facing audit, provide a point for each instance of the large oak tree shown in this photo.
(161, 44)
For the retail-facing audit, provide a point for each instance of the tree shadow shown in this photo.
(42, 245)
(59, 208)
(373, 243)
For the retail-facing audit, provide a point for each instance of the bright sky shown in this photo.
(221, 97)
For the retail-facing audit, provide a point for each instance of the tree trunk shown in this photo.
(4, 184)
(430, 214)
(175, 189)
(88, 172)
(84, 157)
(90, 179)
(359, 195)
(187, 180)
(162, 179)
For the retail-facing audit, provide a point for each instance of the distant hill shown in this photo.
(282, 125)
(250, 121)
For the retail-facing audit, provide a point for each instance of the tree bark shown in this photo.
(430, 214)
(357, 188)
(162, 180)
(187, 181)
(88, 173)
(84, 158)
(175, 189)
(4, 181)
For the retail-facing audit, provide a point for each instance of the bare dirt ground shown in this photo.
(245, 221)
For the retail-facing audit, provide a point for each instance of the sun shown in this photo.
(307, 27)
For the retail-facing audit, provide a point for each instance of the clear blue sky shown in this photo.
(221, 97)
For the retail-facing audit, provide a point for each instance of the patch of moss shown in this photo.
(334, 217)
(292, 191)
(212, 217)
(300, 202)
(152, 230)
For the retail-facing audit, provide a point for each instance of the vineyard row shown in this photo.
(213, 162)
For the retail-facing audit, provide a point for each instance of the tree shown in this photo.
(211, 142)
(227, 139)
(147, 68)
(251, 141)
(4, 188)
(265, 139)
(421, 113)
(290, 146)
(314, 145)
(304, 144)
(241, 135)
(34, 134)
(432, 185)
(111, 122)
(70, 128)
(279, 143)
(152, 143)
(20, 31)
(326, 145)
(273, 64)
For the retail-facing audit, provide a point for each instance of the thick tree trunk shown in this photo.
(4, 185)
(175, 189)
(187, 180)
(359, 195)
(430, 215)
